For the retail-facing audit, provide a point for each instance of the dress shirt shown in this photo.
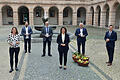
(110, 32)
(63, 38)
(81, 32)
(27, 32)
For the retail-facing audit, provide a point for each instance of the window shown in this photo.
(9, 12)
(52, 13)
(38, 14)
(78, 13)
(65, 13)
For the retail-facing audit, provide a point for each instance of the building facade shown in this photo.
(61, 12)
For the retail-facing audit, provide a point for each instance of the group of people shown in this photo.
(63, 41)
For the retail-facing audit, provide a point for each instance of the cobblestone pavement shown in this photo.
(46, 68)
(34, 67)
(4, 61)
(96, 50)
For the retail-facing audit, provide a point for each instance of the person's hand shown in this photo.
(79, 34)
(27, 34)
(83, 36)
(11, 44)
(62, 44)
(17, 42)
(46, 35)
(107, 40)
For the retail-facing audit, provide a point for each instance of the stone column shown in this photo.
(96, 19)
(103, 19)
(15, 18)
(60, 18)
(88, 18)
(74, 18)
(47, 12)
(31, 21)
(0, 18)
(112, 15)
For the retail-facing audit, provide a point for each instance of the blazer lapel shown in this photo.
(79, 30)
(111, 34)
(82, 31)
(28, 29)
(65, 38)
(61, 38)
(108, 34)
(45, 30)
(25, 29)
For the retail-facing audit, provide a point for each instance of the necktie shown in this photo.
(110, 33)
(47, 30)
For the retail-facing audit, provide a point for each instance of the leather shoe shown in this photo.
(109, 64)
(42, 55)
(16, 69)
(65, 67)
(25, 51)
(60, 66)
(50, 55)
(11, 70)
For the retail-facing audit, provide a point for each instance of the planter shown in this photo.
(80, 59)
(84, 65)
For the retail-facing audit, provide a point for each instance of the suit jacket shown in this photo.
(23, 32)
(112, 37)
(79, 38)
(43, 33)
(66, 41)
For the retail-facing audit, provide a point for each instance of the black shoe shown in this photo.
(50, 55)
(25, 51)
(65, 67)
(83, 54)
(42, 55)
(60, 67)
(109, 64)
(16, 69)
(11, 70)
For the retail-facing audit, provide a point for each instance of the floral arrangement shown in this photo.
(80, 59)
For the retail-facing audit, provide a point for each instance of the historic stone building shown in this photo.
(60, 12)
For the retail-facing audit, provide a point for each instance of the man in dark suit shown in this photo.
(110, 38)
(26, 32)
(81, 34)
(47, 33)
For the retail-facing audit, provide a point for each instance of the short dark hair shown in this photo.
(15, 29)
(111, 25)
(63, 28)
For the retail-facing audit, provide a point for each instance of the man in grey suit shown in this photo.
(47, 38)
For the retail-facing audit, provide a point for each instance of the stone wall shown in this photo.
(113, 18)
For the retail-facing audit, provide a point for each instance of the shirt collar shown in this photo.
(110, 31)
(26, 27)
(47, 27)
